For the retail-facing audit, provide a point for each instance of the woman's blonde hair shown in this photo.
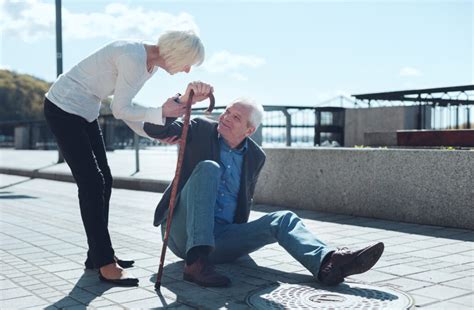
(180, 49)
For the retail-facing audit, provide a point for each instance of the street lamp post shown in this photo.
(59, 54)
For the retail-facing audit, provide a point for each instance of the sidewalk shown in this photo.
(156, 167)
(43, 247)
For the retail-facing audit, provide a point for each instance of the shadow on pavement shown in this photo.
(2, 196)
(87, 288)
(402, 227)
(245, 269)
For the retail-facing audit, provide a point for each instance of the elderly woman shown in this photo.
(71, 108)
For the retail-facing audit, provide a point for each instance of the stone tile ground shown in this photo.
(43, 247)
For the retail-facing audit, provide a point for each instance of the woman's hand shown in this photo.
(173, 109)
(201, 92)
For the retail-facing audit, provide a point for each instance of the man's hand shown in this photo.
(170, 140)
(201, 92)
(173, 109)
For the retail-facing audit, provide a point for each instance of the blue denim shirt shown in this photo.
(231, 165)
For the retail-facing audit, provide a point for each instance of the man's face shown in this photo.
(234, 123)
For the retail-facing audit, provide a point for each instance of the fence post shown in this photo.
(288, 126)
(136, 142)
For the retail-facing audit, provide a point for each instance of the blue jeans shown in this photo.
(194, 225)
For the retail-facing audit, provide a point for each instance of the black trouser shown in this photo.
(83, 149)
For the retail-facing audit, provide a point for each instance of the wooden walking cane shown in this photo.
(174, 189)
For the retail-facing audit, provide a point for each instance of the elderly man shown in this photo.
(210, 221)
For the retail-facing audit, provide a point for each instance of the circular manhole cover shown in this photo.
(315, 296)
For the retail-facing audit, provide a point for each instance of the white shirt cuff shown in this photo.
(155, 116)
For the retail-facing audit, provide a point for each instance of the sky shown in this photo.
(276, 52)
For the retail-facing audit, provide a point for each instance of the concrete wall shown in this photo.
(384, 119)
(433, 187)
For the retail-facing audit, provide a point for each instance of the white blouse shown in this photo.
(118, 69)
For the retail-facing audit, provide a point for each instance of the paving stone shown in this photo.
(66, 302)
(459, 247)
(74, 274)
(13, 293)
(456, 259)
(62, 267)
(467, 300)
(96, 303)
(440, 291)
(372, 276)
(7, 284)
(401, 270)
(434, 276)
(448, 305)
(21, 302)
(406, 284)
(152, 303)
(130, 295)
(462, 283)
(43, 306)
(44, 291)
(51, 252)
(52, 295)
(421, 300)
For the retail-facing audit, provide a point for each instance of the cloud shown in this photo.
(4, 67)
(34, 20)
(239, 77)
(228, 63)
(225, 61)
(409, 71)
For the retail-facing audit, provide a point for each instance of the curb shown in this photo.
(137, 184)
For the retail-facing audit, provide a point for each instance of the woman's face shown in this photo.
(172, 71)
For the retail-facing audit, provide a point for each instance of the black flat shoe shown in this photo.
(122, 263)
(120, 282)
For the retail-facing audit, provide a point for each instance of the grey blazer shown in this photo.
(202, 144)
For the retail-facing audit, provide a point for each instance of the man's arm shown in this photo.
(137, 127)
(171, 128)
(256, 175)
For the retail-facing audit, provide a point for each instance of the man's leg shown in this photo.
(193, 216)
(284, 227)
(192, 229)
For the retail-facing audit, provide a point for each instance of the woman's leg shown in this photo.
(74, 142)
(98, 148)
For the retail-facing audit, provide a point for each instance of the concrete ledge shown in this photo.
(131, 183)
(450, 137)
(380, 138)
(433, 187)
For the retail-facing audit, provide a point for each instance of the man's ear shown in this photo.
(250, 131)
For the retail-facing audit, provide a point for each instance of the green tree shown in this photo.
(21, 96)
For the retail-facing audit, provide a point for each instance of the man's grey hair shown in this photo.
(256, 110)
(181, 48)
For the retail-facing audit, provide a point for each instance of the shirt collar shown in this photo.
(241, 149)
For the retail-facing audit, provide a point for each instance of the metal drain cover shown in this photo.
(315, 296)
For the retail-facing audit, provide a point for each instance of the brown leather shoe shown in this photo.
(203, 273)
(344, 263)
